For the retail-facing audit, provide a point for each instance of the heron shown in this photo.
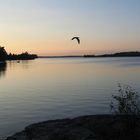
(77, 38)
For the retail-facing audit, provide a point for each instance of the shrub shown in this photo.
(126, 105)
(126, 102)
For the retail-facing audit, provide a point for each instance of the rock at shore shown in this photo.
(96, 127)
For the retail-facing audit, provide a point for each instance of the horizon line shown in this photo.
(81, 55)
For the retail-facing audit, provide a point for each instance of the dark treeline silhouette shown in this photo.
(120, 54)
(23, 56)
(3, 54)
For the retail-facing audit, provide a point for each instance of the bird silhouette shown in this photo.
(77, 38)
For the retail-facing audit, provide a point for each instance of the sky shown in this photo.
(45, 27)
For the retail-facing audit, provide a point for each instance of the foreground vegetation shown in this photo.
(23, 56)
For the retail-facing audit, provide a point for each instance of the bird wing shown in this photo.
(77, 38)
(73, 38)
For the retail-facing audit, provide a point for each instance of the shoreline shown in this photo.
(120, 54)
(92, 127)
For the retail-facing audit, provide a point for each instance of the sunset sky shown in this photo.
(45, 27)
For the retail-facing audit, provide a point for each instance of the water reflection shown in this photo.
(41, 89)
(9, 65)
(23, 64)
(3, 68)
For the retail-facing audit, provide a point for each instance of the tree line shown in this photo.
(23, 56)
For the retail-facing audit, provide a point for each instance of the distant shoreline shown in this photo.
(59, 56)
(120, 54)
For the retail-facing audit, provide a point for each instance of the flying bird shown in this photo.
(77, 38)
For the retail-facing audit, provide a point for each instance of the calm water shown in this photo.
(42, 89)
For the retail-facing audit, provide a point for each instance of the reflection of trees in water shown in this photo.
(24, 64)
(3, 67)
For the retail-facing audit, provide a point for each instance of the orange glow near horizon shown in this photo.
(44, 48)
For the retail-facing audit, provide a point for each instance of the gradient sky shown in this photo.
(46, 27)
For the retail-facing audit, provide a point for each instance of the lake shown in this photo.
(52, 88)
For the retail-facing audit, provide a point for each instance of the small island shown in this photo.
(23, 56)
